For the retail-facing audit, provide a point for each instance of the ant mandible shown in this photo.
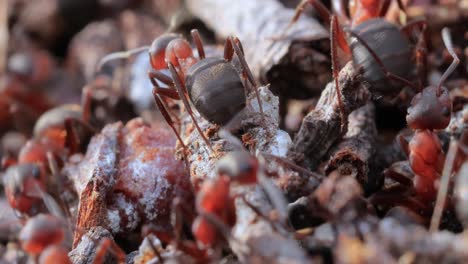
(378, 47)
(213, 84)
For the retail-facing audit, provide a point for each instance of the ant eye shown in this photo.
(35, 172)
(446, 111)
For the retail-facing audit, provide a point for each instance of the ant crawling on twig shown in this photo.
(378, 47)
(213, 85)
(430, 110)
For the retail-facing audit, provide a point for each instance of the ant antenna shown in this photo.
(119, 55)
(446, 37)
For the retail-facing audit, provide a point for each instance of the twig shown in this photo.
(443, 189)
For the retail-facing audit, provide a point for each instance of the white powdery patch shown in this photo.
(148, 177)
(114, 220)
(123, 206)
(100, 158)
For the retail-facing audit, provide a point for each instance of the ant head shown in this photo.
(240, 166)
(157, 50)
(40, 232)
(430, 110)
(55, 254)
(178, 49)
(21, 183)
(51, 124)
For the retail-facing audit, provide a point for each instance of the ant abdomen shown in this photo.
(390, 45)
(216, 90)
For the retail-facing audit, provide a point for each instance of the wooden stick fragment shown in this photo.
(322, 126)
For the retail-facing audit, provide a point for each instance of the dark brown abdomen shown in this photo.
(393, 49)
(216, 90)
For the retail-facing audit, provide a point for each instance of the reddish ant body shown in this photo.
(54, 139)
(429, 110)
(43, 236)
(379, 48)
(213, 85)
(215, 206)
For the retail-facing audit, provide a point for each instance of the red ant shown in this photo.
(43, 236)
(54, 139)
(377, 46)
(429, 110)
(212, 84)
(216, 205)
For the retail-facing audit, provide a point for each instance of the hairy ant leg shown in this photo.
(182, 94)
(339, 6)
(170, 92)
(198, 43)
(233, 46)
(323, 12)
(163, 109)
(421, 47)
(335, 34)
(72, 138)
(108, 245)
(379, 62)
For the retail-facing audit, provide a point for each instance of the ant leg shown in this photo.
(234, 47)
(72, 141)
(54, 169)
(421, 57)
(398, 177)
(259, 213)
(182, 91)
(448, 44)
(339, 6)
(322, 10)
(379, 62)
(404, 144)
(402, 7)
(334, 57)
(168, 92)
(162, 108)
(108, 245)
(198, 43)
(384, 7)
(293, 166)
